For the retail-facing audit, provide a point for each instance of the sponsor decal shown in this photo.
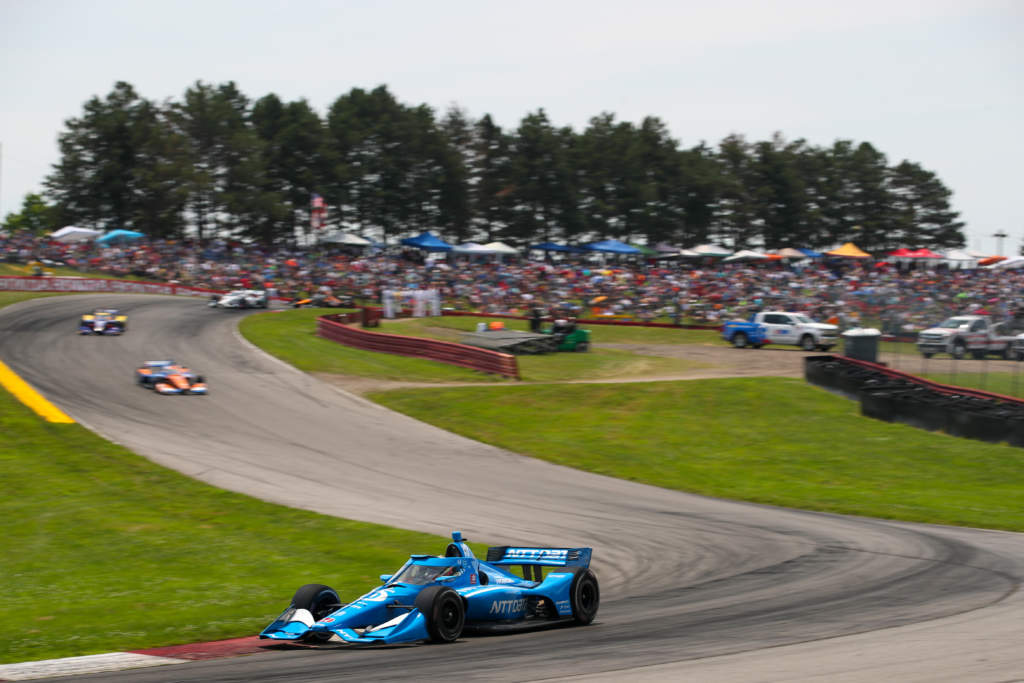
(472, 579)
(327, 620)
(563, 606)
(536, 554)
(377, 596)
(508, 607)
(502, 579)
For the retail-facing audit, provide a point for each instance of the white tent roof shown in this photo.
(712, 250)
(958, 255)
(472, 248)
(746, 255)
(70, 233)
(500, 248)
(345, 238)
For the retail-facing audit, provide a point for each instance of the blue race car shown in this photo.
(104, 321)
(435, 599)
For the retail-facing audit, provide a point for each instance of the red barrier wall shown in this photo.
(18, 283)
(333, 327)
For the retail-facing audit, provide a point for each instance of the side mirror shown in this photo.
(384, 578)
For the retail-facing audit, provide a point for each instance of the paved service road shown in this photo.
(693, 588)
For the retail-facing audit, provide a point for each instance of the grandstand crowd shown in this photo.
(897, 297)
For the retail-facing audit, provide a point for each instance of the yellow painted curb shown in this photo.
(30, 397)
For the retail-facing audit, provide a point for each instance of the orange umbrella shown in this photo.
(990, 260)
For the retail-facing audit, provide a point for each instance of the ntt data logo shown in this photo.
(536, 554)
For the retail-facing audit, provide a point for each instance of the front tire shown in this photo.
(584, 597)
(444, 613)
(807, 343)
(959, 350)
(927, 354)
(319, 599)
(582, 347)
(739, 340)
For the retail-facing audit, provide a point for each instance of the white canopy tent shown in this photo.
(70, 233)
(712, 250)
(957, 258)
(471, 248)
(746, 255)
(346, 238)
(500, 248)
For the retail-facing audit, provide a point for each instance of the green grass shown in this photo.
(291, 336)
(8, 298)
(737, 438)
(103, 550)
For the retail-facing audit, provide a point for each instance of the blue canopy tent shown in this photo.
(810, 252)
(551, 246)
(611, 247)
(427, 242)
(115, 236)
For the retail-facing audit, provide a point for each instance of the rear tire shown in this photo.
(584, 597)
(739, 340)
(444, 613)
(319, 599)
(927, 354)
(582, 347)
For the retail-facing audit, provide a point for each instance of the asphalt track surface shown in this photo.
(693, 588)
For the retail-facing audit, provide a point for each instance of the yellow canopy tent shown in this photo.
(849, 250)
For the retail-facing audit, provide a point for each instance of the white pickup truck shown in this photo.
(781, 327)
(963, 334)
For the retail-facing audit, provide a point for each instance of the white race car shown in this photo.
(240, 298)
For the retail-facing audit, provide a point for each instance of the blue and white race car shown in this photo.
(436, 599)
(104, 321)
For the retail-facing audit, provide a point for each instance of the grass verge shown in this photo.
(291, 336)
(103, 550)
(737, 438)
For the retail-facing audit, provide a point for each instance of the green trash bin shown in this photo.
(861, 343)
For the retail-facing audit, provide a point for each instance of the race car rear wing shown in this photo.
(539, 557)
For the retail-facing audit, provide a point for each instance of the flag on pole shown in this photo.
(318, 212)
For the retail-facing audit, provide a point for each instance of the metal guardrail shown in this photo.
(337, 328)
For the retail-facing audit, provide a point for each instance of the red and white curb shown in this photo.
(136, 659)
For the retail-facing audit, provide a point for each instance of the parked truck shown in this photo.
(781, 327)
(978, 335)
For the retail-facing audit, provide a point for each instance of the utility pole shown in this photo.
(1000, 236)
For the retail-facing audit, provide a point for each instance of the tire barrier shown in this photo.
(894, 396)
(337, 329)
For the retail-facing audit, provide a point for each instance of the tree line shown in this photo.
(217, 164)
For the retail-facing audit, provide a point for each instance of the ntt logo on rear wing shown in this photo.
(560, 555)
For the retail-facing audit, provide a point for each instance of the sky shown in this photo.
(936, 82)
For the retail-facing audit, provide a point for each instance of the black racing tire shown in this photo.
(584, 597)
(959, 349)
(582, 347)
(444, 612)
(739, 340)
(807, 342)
(319, 599)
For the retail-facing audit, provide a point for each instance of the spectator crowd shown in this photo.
(896, 297)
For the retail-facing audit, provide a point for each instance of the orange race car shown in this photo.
(168, 377)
